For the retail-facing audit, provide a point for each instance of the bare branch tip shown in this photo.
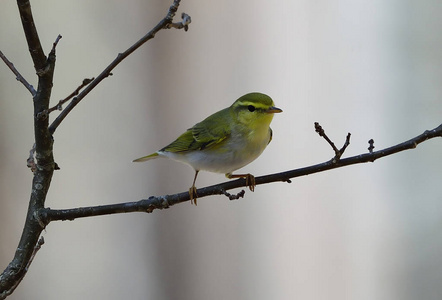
(54, 45)
(318, 129)
(371, 147)
(321, 132)
(347, 142)
(186, 20)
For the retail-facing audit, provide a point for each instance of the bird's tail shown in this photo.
(145, 158)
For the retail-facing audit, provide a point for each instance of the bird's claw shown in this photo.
(250, 182)
(250, 179)
(193, 195)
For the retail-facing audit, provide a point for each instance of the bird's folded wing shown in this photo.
(203, 135)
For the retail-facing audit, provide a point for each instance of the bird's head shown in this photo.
(254, 109)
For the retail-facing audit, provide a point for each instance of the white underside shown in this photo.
(221, 160)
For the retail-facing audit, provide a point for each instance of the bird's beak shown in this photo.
(274, 110)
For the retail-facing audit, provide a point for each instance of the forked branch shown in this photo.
(338, 153)
(41, 161)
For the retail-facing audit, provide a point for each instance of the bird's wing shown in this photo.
(203, 135)
(182, 143)
(210, 133)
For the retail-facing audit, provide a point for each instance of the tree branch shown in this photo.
(338, 153)
(46, 215)
(35, 49)
(43, 164)
(165, 23)
(18, 76)
(59, 105)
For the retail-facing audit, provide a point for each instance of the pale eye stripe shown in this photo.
(255, 104)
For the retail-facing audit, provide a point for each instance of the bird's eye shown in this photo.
(251, 108)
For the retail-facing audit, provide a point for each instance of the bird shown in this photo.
(225, 141)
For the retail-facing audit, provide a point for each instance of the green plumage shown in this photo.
(225, 141)
(203, 135)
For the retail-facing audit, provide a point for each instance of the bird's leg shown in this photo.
(192, 191)
(250, 179)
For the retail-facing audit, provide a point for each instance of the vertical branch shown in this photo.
(27, 20)
(44, 165)
(16, 270)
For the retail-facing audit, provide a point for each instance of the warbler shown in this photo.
(225, 141)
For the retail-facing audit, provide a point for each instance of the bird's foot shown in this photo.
(250, 179)
(193, 195)
(250, 182)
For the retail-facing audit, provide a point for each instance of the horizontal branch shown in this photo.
(47, 215)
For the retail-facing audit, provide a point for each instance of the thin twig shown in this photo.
(338, 153)
(47, 215)
(47, 67)
(321, 132)
(18, 76)
(60, 103)
(346, 144)
(54, 45)
(164, 23)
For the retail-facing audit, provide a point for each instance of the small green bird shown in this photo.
(225, 141)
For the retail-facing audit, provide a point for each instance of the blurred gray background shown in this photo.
(372, 231)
